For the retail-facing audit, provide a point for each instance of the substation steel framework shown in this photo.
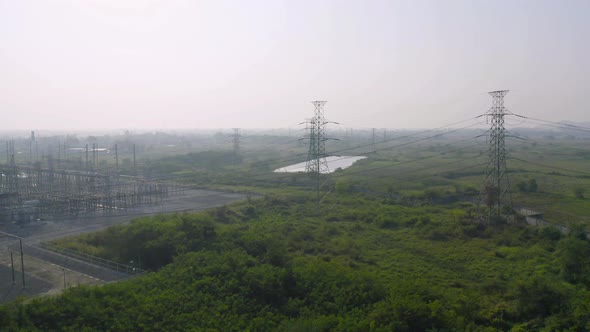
(29, 192)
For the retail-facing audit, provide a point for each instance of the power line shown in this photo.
(409, 143)
(378, 178)
(554, 124)
(266, 173)
(551, 167)
(389, 147)
(296, 157)
(344, 174)
(515, 138)
(402, 163)
(414, 134)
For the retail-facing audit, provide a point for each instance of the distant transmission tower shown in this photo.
(316, 156)
(495, 192)
(11, 178)
(236, 143)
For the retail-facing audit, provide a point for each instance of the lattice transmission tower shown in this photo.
(11, 176)
(236, 139)
(316, 164)
(495, 192)
(316, 155)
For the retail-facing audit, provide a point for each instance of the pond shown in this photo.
(334, 162)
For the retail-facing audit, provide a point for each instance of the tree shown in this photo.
(574, 254)
(532, 186)
(537, 297)
(529, 186)
(579, 192)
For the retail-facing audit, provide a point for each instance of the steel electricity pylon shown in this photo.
(316, 163)
(316, 155)
(236, 139)
(495, 192)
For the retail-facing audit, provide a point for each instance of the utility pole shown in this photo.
(12, 266)
(374, 140)
(86, 157)
(117, 158)
(31, 142)
(94, 156)
(58, 154)
(12, 154)
(22, 261)
(495, 191)
(12, 174)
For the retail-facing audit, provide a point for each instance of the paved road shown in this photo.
(47, 230)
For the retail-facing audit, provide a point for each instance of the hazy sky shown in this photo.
(83, 64)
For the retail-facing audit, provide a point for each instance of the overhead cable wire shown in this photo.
(552, 167)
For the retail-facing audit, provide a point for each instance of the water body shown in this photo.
(334, 163)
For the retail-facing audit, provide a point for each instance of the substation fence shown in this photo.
(11, 255)
(105, 263)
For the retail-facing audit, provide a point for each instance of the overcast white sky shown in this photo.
(81, 64)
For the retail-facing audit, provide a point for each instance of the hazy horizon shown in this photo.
(68, 65)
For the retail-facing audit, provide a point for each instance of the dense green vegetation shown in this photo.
(362, 264)
(394, 247)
